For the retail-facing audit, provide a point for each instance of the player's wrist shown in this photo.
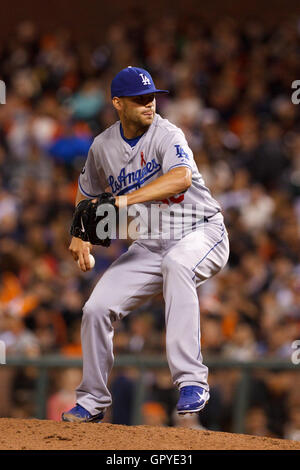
(121, 201)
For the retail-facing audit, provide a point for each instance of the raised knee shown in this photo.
(170, 262)
(97, 310)
(94, 310)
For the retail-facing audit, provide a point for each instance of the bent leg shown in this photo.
(128, 282)
(192, 261)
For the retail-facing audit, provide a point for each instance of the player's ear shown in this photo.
(117, 103)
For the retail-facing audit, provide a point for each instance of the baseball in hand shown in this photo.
(91, 259)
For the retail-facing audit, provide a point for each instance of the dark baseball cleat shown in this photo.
(78, 414)
(192, 399)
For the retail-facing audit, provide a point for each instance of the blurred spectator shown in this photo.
(212, 336)
(242, 346)
(142, 334)
(278, 386)
(73, 346)
(154, 414)
(19, 340)
(161, 390)
(257, 423)
(65, 396)
(123, 389)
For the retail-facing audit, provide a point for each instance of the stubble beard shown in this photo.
(142, 123)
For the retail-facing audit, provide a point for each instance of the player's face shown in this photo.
(139, 110)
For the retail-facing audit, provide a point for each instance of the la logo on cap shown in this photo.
(145, 79)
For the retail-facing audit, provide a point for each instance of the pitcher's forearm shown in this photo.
(174, 182)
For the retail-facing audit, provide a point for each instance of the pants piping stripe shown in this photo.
(216, 244)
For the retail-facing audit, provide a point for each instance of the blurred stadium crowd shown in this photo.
(231, 92)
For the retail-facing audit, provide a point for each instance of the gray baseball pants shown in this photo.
(176, 267)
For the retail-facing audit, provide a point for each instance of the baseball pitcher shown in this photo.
(140, 162)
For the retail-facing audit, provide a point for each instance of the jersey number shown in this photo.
(174, 199)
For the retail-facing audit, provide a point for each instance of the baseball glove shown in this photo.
(85, 219)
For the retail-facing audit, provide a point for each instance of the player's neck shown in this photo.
(131, 130)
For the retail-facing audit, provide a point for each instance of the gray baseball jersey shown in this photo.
(150, 266)
(113, 163)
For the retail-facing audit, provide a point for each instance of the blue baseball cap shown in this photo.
(133, 81)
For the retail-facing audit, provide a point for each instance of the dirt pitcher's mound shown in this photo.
(33, 434)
